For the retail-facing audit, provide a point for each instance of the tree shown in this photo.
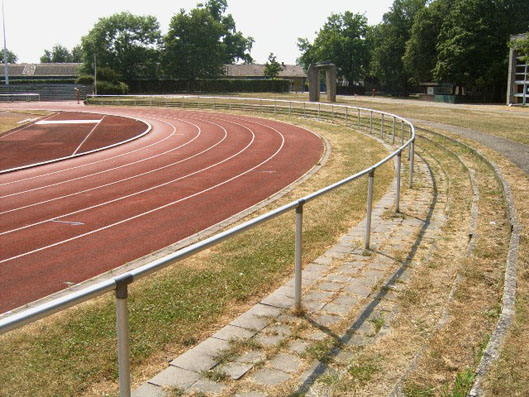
(58, 54)
(11, 57)
(238, 47)
(272, 67)
(341, 40)
(126, 43)
(420, 56)
(522, 45)
(389, 45)
(473, 41)
(201, 41)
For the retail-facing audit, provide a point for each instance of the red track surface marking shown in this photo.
(69, 221)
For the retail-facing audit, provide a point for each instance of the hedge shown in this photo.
(206, 86)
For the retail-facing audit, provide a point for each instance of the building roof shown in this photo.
(256, 70)
(42, 69)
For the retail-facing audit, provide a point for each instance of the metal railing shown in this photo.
(28, 97)
(120, 283)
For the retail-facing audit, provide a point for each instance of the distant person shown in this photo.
(77, 94)
(374, 91)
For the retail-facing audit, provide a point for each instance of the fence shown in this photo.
(351, 116)
(13, 97)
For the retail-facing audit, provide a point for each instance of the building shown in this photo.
(518, 79)
(294, 73)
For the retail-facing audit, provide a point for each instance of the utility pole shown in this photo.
(5, 45)
(95, 75)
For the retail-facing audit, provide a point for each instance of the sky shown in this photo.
(35, 25)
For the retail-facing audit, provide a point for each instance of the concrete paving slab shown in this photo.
(270, 376)
(175, 377)
(286, 362)
(230, 332)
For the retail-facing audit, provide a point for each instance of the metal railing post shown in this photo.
(319, 108)
(122, 330)
(358, 118)
(397, 198)
(371, 122)
(304, 110)
(332, 113)
(393, 137)
(346, 116)
(412, 155)
(274, 107)
(402, 132)
(409, 146)
(369, 207)
(290, 108)
(299, 256)
(382, 125)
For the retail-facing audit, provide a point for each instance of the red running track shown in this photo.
(69, 221)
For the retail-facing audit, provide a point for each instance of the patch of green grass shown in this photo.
(362, 370)
(378, 322)
(321, 350)
(462, 384)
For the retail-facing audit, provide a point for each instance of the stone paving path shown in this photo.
(349, 296)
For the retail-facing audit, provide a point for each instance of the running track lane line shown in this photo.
(136, 193)
(121, 180)
(154, 209)
(87, 136)
(105, 159)
(108, 169)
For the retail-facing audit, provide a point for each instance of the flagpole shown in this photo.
(5, 45)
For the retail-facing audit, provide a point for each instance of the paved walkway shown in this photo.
(349, 296)
(517, 152)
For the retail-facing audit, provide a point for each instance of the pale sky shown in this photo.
(35, 25)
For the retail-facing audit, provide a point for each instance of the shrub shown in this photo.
(107, 88)
(85, 79)
(209, 85)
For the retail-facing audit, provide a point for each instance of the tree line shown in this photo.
(463, 42)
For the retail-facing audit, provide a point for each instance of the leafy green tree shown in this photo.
(11, 56)
(522, 45)
(58, 54)
(420, 56)
(238, 47)
(272, 67)
(473, 41)
(201, 41)
(341, 40)
(126, 43)
(389, 45)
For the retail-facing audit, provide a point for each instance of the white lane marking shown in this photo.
(67, 222)
(141, 191)
(46, 122)
(124, 179)
(87, 136)
(163, 206)
(105, 170)
(102, 160)
(26, 121)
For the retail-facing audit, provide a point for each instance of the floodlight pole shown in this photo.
(5, 45)
(95, 75)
